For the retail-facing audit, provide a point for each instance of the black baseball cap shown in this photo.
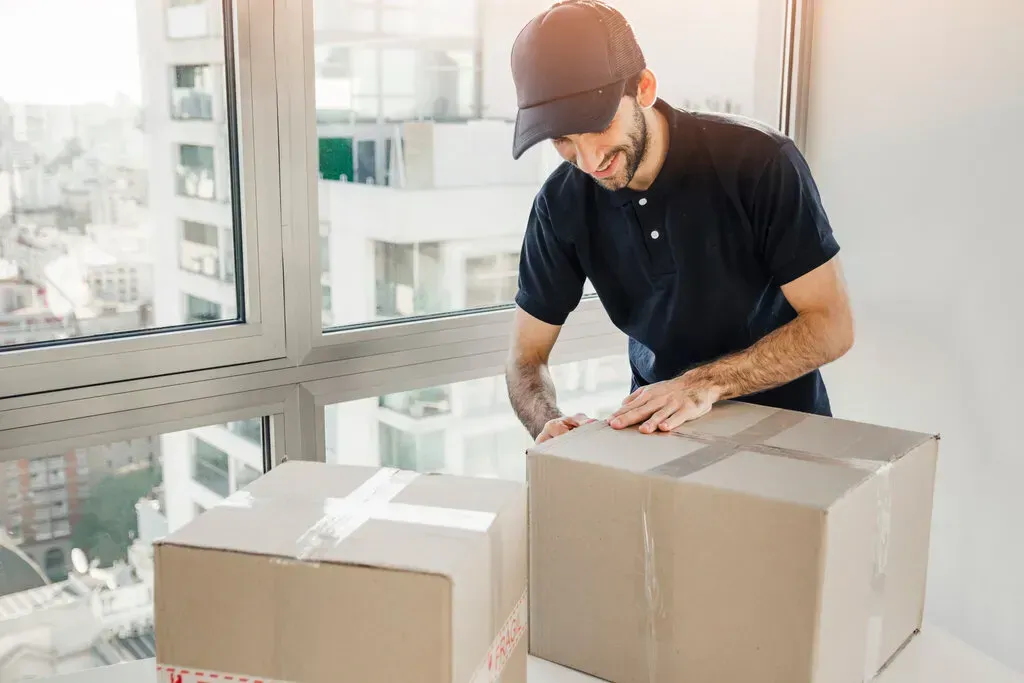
(570, 65)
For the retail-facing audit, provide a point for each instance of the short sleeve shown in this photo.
(793, 232)
(550, 276)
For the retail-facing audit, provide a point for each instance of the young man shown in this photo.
(703, 234)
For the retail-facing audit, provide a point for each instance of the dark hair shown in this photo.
(633, 85)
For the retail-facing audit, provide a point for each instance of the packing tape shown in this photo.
(505, 643)
(658, 593)
(177, 674)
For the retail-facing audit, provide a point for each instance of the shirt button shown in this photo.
(655, 234)
(643, 201)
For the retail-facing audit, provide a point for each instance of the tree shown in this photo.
(107, 524)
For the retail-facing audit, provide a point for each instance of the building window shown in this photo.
(195, 172)
(199, 250)
(408, 279)
(210, 467)
(192, 92)
(42, 531)
(410, 451)
(199, 310)
(419, 403)
(491, 280)
(250, 430)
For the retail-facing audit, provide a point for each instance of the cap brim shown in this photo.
(587, 112)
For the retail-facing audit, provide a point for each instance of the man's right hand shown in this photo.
(561, 425)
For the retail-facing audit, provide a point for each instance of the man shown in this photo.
(703, 235)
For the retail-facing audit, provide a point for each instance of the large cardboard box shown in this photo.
(752, 546)
(325, 573)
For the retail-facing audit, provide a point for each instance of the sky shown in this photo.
(68, 51)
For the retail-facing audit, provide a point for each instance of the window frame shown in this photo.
(259, 335)
(312, 343)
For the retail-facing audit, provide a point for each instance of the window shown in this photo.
(210, 467)
(467, 427)
(196, 172)
(199, 310)
(491, 279)
(156, 194)
(201, 251)
(251, 430)
(115, 526)
(106, 146)
(439, 86)
(192, 94)
(407, 279)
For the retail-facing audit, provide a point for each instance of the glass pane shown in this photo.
(434, 77)
(78, 549)
(466, 427)
(115, 167)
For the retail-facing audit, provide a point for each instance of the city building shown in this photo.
(44, 498)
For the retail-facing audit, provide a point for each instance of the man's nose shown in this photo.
(589, 158)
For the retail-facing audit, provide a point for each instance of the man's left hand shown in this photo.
(665, 405)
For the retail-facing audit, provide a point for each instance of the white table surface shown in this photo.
(932, 657)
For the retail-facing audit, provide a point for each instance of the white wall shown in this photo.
(914, 138)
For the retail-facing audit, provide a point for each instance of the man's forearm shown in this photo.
(532, 393)
(795, 349)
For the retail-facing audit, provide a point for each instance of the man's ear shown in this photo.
(647, 93)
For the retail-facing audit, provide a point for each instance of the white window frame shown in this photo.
(84, 361)
(91, 392)
(311, 343)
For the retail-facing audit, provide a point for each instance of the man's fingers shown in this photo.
(689, 412)
(561, 426)
(654, 422)
(634, 415)
(633, 401)
(551, 431)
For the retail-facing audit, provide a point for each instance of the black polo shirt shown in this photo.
(691, 268)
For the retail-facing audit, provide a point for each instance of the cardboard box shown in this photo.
(325, 573)
(753, 546)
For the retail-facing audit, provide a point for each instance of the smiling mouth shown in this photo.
(605, 170)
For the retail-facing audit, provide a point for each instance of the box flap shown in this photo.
(778, 454)
(354, 515)
(804, 433)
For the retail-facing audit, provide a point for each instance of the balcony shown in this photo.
(212, 476)
(195, 173)
(191, 104)
(196, 182)
(210, 468)
(201, 259)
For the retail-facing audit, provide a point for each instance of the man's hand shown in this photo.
(665, 405)
(561, 425)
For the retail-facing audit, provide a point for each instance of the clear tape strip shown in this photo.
(373, 499)
(752, 439)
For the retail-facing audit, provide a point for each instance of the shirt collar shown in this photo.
(681, 138)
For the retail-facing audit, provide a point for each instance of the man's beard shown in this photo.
(633, 153)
